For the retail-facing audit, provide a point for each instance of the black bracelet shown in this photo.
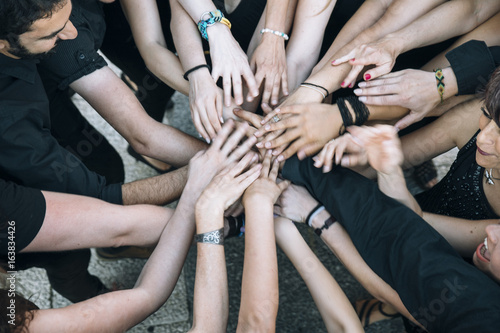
(360, 110)
(345, 114)
(317, 86)
(311, 213)
(195, 68)
(328, 223)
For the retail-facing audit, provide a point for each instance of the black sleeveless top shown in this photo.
(460, 193)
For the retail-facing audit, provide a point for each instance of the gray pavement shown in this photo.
(297, 311)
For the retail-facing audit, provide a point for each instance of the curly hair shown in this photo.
(491, 96)
(17, 16)
(24, 312)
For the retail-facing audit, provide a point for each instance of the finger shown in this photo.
(344, 59)
(266, 108)
(351, 78)
(235, 138)
(247, 178)
(273, 174)
(237, 88)
(199, 127)
(242, 164)
(223, 135)
(226, 86)
(207, 124)
(219, 106)
(278, 151)
(266, 94)
(283, 185)
(269, 115)
(275, 93)
(353, 160)
(407, 121)
(377, 71)
(285, 138)
(382, 100)
(213, 117)
(253, 88)
(277, 210)
(266, 164)
(243, 149)
(283, 124)
(291, 150)
(309, 150)
(284, 83)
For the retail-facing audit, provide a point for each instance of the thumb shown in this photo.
(407, 121)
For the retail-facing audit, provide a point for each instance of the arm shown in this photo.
(119, 106)
(228, 60)
(144, 21)
(336, 311)
(259, 291)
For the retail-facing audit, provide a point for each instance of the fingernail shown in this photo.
(357, 91)
(264, 105)
(353, 59)
(256, 134)
(351, 85)
(268, 145)
(342, 84)
(281, 158)
(362, 84)
(334, 62)
(277, 110)
(301, 155)
(267, 127)
(254, 158)
(199, 135)
(326, 169)
(260, 144)
(236, 109)
(362, 99)
(221, 120)
(274, 102)
(275, 152)
(367, 77)
(208, 141)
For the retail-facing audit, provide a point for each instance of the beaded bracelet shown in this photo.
(439, 82)
(277, 33)
(195, 68)
(214, 17)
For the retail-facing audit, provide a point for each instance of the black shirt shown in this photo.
(29, 155)
(473, 63)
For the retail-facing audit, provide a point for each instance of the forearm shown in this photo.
(394, 185)
(210, 308)
(259, 291)
(332, 303)
(463, 16)
(159, 190)
(464, 235)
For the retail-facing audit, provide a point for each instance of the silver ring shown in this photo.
(276, 118)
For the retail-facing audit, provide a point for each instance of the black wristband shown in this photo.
(328, 223)
(195, 68)
(317, 86)
(345, 113)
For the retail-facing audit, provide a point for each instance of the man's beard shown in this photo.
(20, 51)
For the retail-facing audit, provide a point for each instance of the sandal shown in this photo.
(236, 226)
(140, 158)
(425, 175)
(366, 312)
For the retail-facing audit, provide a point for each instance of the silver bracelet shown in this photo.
(212, 237)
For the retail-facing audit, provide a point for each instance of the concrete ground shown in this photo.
(297, 311)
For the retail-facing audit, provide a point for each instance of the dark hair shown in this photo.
(23, 311)
(491, 96)
(17, 16)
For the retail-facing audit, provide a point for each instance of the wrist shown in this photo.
(216, 32)
(320, 218)
(208, 220)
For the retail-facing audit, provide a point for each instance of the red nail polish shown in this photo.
(342, 84)
(367, 77)
(353, 59)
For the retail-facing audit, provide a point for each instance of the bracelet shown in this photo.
(312, 214)
(360, 110)
(345, 113)
(277, 33)
(311, 85)
(226, 22)
(328, 223)
(315, 89)
(212, 237)
(439, 83)
(214, 17)
(195, 68)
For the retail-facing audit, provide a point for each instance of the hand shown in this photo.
(346, 150)
(265, 188)
(382, 146)
(269, 64)
(231, 63)
(411, 89)
(223, 151)
(295, 203)
(307, 129)
(205, 101)
(382, 54)
(229, 184)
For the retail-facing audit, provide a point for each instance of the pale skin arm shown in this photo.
(119, 106)
(424, 31)
(145, 23)
(333, 305)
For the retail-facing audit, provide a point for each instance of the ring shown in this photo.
(276, 118)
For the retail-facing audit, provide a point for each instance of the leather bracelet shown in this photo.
(195, 68)
(212, 237)
(328, 223)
